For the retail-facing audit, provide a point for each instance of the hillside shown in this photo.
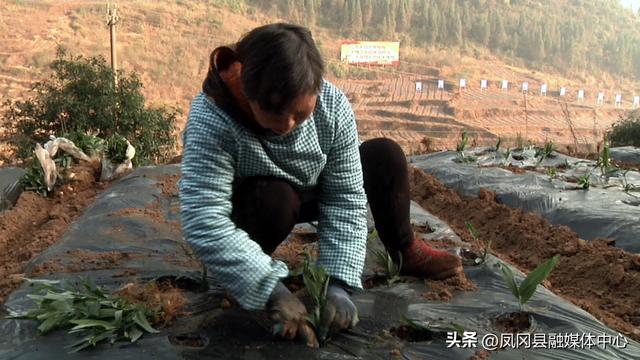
(167, 44)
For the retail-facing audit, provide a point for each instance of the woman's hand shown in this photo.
(339, 313)
(289, 313)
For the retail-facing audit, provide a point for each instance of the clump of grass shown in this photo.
(89, 310)
(527, 288)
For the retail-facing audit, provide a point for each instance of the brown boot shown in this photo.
(423, 261)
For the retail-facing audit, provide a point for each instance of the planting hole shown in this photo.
(514, 322)
(193, 340)
(411, 333)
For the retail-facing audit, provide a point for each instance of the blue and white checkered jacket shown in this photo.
(322, 151)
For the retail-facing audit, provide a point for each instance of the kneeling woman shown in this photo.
(269, 143)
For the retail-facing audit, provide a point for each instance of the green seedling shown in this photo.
(627, 187)
(88, 310)
(584, 181)
(604, 163)
(552, 173)
(464, 139)
(392, 268)
(316, 281)
(545, 152)
(507, 154)
(116, 149)
(497, 148)
(487, 246)
(528, 286)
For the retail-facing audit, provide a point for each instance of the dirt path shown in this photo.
(603, 280)
(36, 223)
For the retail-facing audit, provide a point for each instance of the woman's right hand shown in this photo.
(289, 313)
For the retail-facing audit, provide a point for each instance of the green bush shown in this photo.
(80, 97)
(626, 132)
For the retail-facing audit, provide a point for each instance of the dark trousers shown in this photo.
(267, 208)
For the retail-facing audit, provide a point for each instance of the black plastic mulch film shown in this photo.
(604, 210)
(159, 250)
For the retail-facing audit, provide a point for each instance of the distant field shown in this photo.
(167, 43)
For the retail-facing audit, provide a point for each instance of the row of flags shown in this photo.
(504, 85)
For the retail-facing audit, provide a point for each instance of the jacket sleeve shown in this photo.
(342, 223)
(205, 203)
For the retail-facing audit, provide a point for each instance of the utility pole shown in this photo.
(112, 19)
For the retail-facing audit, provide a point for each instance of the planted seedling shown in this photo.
(627, 187)
(89, 310)
(487, 245)
(392, 268)
(604, 163)
(584, 181)
(527, 288)
(316, 281)
(552, 173)
(498, 143)
(545, 152)
(464, 139)
(506, 155)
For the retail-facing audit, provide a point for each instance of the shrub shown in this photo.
(80, 97)
(626, 132)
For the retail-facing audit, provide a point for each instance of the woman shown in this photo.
(269, 143)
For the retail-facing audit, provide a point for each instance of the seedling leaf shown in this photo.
(537, 276)
(510, 280)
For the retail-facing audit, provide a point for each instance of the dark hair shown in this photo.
(280, 62)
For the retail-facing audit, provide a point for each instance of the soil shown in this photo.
(169, 185)
(35, 223)
(601, 279)
(81, 260)
(161, 295)
(444, 290)
(152, 212)
(480, 355)
(514, 322)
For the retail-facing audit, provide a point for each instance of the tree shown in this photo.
(498, 34)
(80, 97)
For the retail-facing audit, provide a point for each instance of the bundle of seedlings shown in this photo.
(91, 311)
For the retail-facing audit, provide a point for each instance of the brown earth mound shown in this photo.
(35, 223)
(602, 280)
